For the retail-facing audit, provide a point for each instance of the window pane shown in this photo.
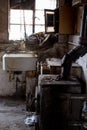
(48, 4)
(29, 30)
(15, 16)
(18, 20)
(14, 35)
(39, 17)
(39, 29)
(21, 17)
(28, 14)
(17, 32)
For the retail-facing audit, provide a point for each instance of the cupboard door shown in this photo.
(66, 20)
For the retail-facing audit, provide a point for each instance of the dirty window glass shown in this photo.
(20, 21)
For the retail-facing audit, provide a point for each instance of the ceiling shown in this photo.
(23, 4)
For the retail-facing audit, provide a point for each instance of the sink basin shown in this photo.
(19, 62)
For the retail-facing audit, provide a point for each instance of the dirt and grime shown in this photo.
(12, 115)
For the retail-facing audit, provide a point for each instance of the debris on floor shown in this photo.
(12, 115)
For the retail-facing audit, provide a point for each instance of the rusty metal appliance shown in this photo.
(61, 103)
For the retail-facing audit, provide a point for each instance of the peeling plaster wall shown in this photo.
(19, 88)
(3, 20)
(7, 88)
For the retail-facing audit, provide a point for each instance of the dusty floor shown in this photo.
(12, 115)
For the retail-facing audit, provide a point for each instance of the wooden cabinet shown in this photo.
(66, 20)
(78, 19)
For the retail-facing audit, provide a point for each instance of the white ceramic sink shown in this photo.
(19, 62)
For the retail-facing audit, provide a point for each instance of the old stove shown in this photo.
(61, 103)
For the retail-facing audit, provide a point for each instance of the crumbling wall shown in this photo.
(7, 88)
(57, 51)
(3, 20)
